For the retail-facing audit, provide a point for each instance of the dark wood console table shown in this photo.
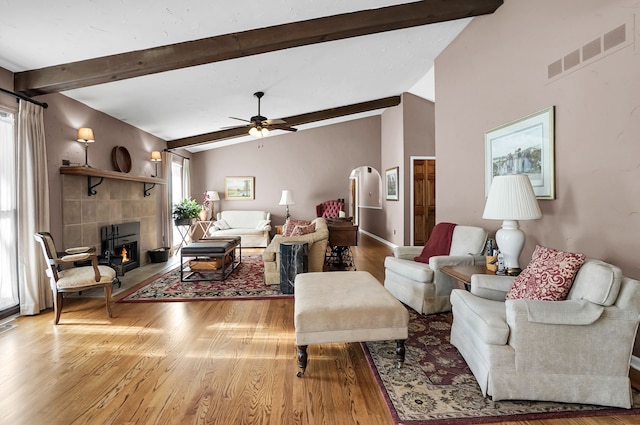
(343, 234)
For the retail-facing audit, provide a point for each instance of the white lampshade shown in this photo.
(287, 198)
(511, 198)
(85, 135)
(155, 156)
(213, 195)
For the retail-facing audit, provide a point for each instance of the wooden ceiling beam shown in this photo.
(301, 119)
(235, 45)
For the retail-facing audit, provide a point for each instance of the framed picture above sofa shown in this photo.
(239, 188)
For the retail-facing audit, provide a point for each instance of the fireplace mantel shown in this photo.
(91, 173)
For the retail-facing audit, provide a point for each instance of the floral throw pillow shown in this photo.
(291, 223)
(300, 229)
(548, 277)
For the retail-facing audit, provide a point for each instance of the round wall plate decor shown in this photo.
(121, 159)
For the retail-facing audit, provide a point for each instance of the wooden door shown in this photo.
(424, 199)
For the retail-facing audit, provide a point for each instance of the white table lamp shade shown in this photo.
(213, 195)
(511, 198)
(287, 198)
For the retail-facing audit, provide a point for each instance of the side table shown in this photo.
(462, 274)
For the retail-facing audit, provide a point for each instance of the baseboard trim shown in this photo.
(379, 239)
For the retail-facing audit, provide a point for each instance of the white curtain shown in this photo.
(167, 206)
(33, 209)
(186, 179)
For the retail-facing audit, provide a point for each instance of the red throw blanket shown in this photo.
(439, 242)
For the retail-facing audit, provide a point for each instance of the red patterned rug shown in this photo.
(435, 387)
(245, 282)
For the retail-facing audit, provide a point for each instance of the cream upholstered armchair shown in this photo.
(576, 350)
(74, 279)
(423, 286)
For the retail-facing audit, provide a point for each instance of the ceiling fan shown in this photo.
(259, 126)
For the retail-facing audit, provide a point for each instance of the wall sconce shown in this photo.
(156, 157)
(85, 135)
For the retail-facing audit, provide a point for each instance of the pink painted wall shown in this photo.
(315, 164)
(6, 82)
(496, 71)
(407, 130)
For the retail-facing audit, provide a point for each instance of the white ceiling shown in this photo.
(197, 100)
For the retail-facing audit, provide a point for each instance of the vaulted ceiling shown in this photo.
(179, 70)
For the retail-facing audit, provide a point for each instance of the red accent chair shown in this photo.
(329, 209)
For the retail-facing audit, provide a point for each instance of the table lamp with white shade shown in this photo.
(211, 196)
(511, 198)
(287, 199)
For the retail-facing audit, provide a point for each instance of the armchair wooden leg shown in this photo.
(302, 360)
(57, 306)
(107, 296)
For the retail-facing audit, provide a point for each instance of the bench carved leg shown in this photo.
(400, 352)
(302, 360)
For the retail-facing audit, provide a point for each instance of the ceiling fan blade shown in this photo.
(282, 127)
(234, 126)
(239, 119)
(271, 122)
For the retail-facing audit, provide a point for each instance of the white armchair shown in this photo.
(574, 351)
(424, 287)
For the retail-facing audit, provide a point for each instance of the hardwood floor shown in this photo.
(222, 362)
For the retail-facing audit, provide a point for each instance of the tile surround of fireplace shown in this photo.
(116, 202)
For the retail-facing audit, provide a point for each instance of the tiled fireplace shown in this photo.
(116, 202)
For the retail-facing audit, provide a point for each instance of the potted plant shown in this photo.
(186, 212)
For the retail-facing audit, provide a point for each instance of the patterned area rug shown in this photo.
(245, 282)
(435, 387)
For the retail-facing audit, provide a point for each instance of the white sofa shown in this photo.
(574, 351)
(253, 227)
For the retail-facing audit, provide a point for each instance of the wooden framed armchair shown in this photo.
(74, 279)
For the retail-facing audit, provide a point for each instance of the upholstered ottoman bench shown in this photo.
(349, 306)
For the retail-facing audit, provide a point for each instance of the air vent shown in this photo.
(592, 51)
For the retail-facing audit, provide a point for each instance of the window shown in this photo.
(8, 217)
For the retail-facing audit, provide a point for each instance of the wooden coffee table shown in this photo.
(227, 252)
(462, 274)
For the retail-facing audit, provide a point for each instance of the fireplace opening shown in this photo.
(120, 245)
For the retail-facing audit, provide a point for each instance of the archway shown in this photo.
(365, 190)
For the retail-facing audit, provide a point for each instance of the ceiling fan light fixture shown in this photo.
(258, 131)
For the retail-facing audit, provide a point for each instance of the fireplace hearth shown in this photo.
(120, 244)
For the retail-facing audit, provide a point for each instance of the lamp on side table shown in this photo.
(511, 198)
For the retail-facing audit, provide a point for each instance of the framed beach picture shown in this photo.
(524, 146)
(239, 188)
(391, 184)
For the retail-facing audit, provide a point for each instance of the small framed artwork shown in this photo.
(239, 188)
(524, 146)
(391, 184)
